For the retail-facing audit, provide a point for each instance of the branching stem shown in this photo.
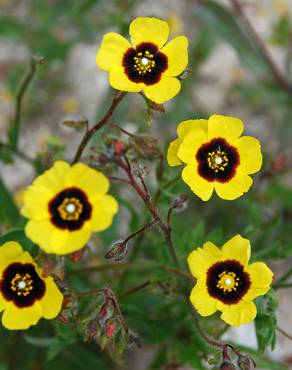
(119, 95)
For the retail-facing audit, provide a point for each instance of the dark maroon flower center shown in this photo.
(145, 63)
(227, 281)
(21, 284)
(217, 160)
(69, 209)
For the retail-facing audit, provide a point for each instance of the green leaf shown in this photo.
(282, 31)
(191, 238)
(5, 155)
(281, 193)
(18, 235)
(65, 337)
(266, 321)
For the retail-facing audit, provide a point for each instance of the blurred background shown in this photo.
(240, 64)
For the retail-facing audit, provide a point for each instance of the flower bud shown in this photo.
(119, 147)
(245, 363)
(146, 147)
(111, 328)
(227, 365)
(155, 106)
(77, 256)
(180, 203)
(117, 251)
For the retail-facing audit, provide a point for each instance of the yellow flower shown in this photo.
(226, 282)
(216, 157)
(148, 64)
(25, 295)
(65, 205)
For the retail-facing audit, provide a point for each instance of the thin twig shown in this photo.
(144, 228)
(121, 129)
(108, 295)
(283, 286)
(90, 132)
(147, 200)
(20, 154)
(169, 216)
(119, 179)
(135, 289)
(127, 266)
(167, 234)
(283, 332)
(15, 127)
(279, 77)
(281, 281)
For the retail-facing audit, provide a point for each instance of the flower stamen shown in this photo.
(22, 284)
(217, 160)
(70, 209)
(143, 62)
(228, 281)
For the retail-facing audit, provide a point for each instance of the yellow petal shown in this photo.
(53, 179)
(92, 182)
(234, 188)
(103, 212)
(185, 126)
(201, 259)
(202, 301)
(182, 129)
(75, 241)
(237, 248)
(261, 278)
(240, 313)
(9, 252)
(54, 240)
(177, 55)
(15, 318)
(146, 29)
(163, 90)
(191, 142)
(111, 51)
(172, 158)
(36, 200)
(251, 158)
(52, 300)
(120, 81)
(201, 187)
(229, 128)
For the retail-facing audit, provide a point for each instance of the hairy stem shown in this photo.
(90, 132)
(166, 229)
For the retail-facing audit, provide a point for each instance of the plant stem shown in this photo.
(152, 209)
(15, 127)
(278, 76)
(164, 227)
(141, 230)
(283, 332)
(127, 266)
(281, 282)
(18, 153)
(90, 132)
(136, 289)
